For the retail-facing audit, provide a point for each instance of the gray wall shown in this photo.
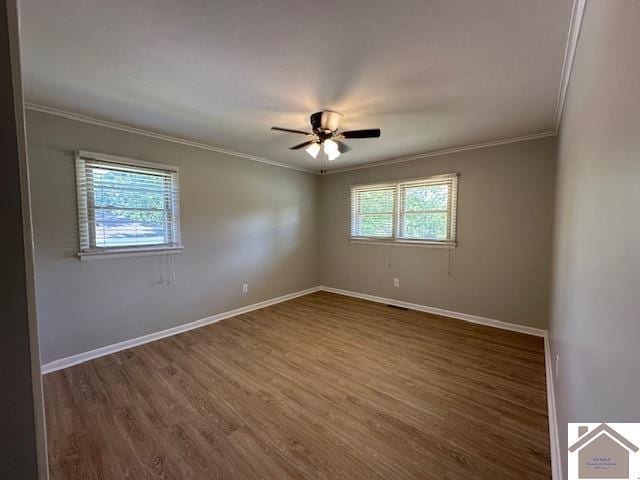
(501, 267)
(242, 221)
(595, 325)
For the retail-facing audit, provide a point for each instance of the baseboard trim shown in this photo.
(134, 342)
(538, 332)
(554, 439)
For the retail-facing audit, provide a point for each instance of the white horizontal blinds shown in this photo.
(412, 211)
(453, 209)
(124, 205)
(373, 211)
(427, 209)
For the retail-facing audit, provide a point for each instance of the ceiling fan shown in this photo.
(324, 126)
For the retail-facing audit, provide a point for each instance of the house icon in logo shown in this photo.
(603, 453)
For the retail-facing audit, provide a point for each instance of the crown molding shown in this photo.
(575, 24)
(159, 136)
(447, 151)
(167, 138)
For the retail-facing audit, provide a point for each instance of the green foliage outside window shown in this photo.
(129, 208)
(425, 214)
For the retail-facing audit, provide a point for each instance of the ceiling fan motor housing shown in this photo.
(326, 121)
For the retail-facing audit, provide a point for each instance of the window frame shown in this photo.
(399, 212)
(88, 250)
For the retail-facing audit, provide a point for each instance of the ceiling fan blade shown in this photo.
(368, 133)
(290, 130)
(302, 145)
(342, 147)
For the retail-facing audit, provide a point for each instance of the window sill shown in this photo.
(128, 252)
(403, 243)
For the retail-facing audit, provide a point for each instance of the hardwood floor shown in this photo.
(320, 387)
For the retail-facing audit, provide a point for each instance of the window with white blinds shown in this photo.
(413, 211)
(126, 205)
(372, 211)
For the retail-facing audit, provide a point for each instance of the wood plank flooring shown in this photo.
(320, 387)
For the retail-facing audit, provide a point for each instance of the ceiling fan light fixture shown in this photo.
(313, 150)
(332, 156)
(331, 149)
(324, 128)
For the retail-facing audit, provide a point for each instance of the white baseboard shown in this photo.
(538, 332)
(134, 342)
(554, 439)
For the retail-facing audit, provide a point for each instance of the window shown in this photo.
(374, 209)
(412, 211)
(126, 206)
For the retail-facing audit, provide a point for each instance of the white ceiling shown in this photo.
(431, 74)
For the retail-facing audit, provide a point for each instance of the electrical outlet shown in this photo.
(245, 287)
(557, 366)
(396, 282)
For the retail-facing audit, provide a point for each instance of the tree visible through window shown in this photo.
(424, 211)
(413, 211)
(126, 205)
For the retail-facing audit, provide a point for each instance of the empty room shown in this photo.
(320, 240)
